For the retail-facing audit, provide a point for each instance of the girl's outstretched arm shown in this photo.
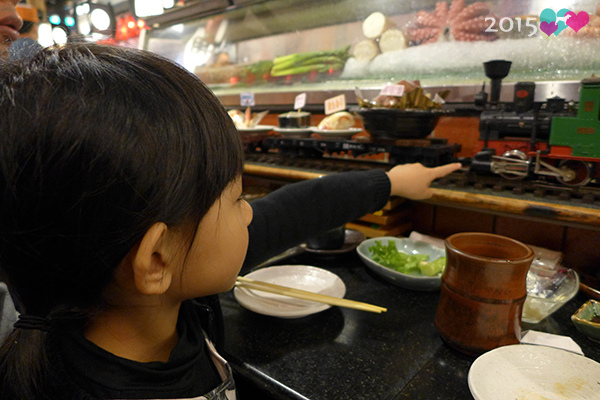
(292, 214)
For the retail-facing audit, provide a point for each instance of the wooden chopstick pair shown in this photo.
(305, 295)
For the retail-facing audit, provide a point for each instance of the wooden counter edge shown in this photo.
(581, 216)
(526, 208)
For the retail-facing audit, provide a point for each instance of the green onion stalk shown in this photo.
(319, 61)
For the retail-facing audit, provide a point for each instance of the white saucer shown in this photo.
(303, 277)
(294, 132)
(257, 128)
(531, 372)
(337, 133)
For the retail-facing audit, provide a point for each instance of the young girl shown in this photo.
(121, 221)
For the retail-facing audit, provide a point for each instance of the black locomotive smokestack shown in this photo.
(496, 70)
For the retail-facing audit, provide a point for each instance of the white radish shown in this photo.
(392, 39)
(375, 24)
(365, 50)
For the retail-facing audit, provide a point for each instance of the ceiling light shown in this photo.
(146, 8)
(100, 19)
(54, 19)
(59, 35)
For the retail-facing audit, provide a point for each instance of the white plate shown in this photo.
(529, 372)
(337, 133)
(294, 132)
(257, 128)
(303, 277)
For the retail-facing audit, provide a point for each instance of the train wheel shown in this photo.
(517, 155)
(579, 173)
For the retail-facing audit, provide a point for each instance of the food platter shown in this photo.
(294, 132)
(336, 133)
(257, 129)
(525, 371)
(303, 277)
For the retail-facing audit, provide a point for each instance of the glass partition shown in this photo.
(263, 46)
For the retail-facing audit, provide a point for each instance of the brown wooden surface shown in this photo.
(525, 208)
(494, 204)
(378, 231)
(387, 218)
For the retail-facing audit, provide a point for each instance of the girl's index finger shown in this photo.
(444, 170)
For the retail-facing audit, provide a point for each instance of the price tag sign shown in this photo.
(247, 99)
(300, 101)
(438, 99)
(392, 90)
(335, 104)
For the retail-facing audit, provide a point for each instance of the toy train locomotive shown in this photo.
(525, 138)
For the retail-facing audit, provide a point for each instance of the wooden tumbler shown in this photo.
(483, 290)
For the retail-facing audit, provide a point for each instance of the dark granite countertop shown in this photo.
(344, 353)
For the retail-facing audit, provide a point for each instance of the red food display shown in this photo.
(457, 21)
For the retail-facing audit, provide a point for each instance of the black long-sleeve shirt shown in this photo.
(296, 212)
(281, 220)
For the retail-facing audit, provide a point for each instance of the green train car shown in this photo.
(564, 145)
(575, 141)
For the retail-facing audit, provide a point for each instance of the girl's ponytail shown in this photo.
(24, 364)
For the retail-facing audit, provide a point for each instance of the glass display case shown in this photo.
(279, 48)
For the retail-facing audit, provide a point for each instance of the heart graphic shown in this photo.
(548, 27)
(561, 20)
(548, 15)
(577, 21)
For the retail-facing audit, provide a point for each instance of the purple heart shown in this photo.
(548, 27)
(577, 21)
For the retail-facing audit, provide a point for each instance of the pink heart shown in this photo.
(549, 27)
(577, 21)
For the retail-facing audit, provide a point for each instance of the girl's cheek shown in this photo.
(248, 213)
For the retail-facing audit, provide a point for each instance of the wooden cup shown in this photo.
(483, 291)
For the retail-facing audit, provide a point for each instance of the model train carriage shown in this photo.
(575, 141)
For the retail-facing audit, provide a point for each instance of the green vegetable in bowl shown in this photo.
(414, 264)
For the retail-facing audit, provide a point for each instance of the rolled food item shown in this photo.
(375, 24)
(337, 121)
(392, 39)
(365, 50)
(294, 120)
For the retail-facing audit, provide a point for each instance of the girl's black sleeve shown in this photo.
(290, 215)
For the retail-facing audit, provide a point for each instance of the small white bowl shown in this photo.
(409, 246)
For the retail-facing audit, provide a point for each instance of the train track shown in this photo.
(541, 189)
(460, 180)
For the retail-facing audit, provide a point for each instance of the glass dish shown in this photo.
(547, 291)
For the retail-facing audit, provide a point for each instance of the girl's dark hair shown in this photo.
(97, 143)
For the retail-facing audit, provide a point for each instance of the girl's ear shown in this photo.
(151, 271)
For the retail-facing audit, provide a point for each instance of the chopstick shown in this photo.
(305, 295)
